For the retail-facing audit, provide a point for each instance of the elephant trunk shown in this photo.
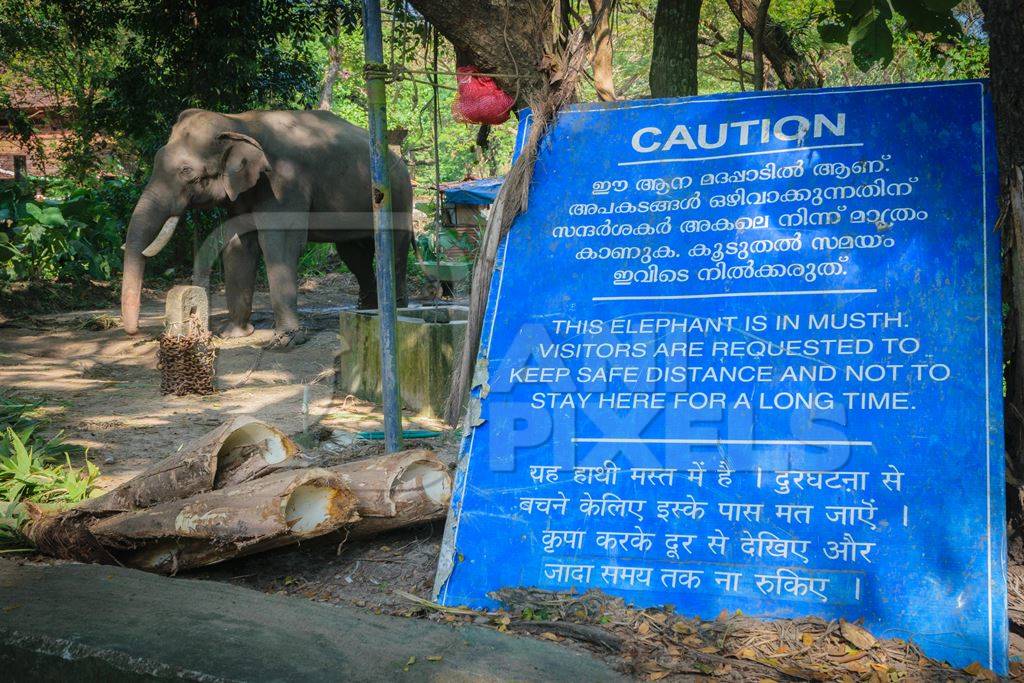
(151, 226)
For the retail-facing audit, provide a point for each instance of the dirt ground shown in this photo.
(103, 392)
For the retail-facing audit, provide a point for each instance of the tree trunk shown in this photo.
(674, 56)
(503, 37)
(330, 76)
(404, 489)
(265, 513)
(1004, 23)
(203, 529)
(225, 496)
(792, 68)
(604, 84)
(759, 26)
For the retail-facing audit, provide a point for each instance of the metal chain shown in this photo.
(186, 362)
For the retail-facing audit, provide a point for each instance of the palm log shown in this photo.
(275, 510)
(394, 491)
(239, 450)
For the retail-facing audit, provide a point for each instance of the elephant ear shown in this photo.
(244, 161)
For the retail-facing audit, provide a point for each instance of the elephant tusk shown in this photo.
(162, 238)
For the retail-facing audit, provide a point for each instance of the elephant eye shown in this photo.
(187, 173)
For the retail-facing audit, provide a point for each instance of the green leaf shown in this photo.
(49, 216)
(52, 217)
(34, 232)
(920, 18)
(871, 41)
(939, 5)
(34, 211)
(834, 32)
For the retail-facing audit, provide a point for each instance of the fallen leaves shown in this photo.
(658, 643)
(979, 672)
(856, 636)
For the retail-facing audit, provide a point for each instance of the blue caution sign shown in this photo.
(743, 352)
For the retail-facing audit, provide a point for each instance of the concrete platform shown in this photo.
(92, 623)
(430, 340)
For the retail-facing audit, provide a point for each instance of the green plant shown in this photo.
(34, 469)
(319, 260)
(30, 473)
(433, 243)
(63, 232)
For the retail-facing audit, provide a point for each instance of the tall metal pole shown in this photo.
(383, 234)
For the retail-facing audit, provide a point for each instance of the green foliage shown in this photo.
(230, 56)
(319, 260)
(28, 473)
(68, 50)
(69, 233)
(34, 469)
(410, 104)
(128, 67)
(867, 25)
(433, 243)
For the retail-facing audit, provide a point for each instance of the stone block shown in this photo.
(184, 301)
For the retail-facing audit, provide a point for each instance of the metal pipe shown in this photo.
(383, 233)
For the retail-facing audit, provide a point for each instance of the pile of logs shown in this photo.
(240, 489)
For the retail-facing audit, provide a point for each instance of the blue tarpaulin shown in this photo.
(473, 192)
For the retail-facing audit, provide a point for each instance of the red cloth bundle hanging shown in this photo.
(480, 99)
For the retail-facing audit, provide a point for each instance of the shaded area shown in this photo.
(89, 622)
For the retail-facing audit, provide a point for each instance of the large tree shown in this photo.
(790, 65)
(1004, 23)
(224, 55)
(69, 51)
(674, 55)
(509, 38)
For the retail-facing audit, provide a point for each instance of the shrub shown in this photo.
(70, 234)
(34, 469)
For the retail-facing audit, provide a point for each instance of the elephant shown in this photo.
(284, 178)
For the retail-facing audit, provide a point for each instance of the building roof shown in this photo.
(25, 94)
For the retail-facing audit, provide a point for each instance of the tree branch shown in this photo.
(506, 37)
(792, 68)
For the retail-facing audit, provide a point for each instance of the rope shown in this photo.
(379, 70)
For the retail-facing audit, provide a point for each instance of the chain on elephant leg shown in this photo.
(287, 340)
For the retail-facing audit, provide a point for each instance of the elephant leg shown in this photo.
(357, 255)
(241, 259)
(403, 238)
(282, 237)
